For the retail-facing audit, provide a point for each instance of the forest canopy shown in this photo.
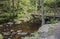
(24, 7)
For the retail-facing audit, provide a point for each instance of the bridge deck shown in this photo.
(48, 15)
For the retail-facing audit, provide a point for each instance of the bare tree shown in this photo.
(13, 11)
(36, 5)
(42, 11)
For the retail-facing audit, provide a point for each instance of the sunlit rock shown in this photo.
(49, 31)
(1, 25)
(19, 31)
(6, 33)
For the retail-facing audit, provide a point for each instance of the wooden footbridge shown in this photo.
(47, 16)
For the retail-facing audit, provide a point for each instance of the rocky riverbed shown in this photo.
(47, 31)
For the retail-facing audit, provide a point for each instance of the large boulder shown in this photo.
(49, 31)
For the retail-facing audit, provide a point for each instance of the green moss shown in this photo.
(1, 37)
(50, 30)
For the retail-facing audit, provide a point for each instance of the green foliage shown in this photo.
(1, 37)
(49, 1)
(24, 7)
(53, 21)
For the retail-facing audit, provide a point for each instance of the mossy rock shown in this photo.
(1, 36)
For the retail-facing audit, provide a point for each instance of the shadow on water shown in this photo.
(29, 26)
